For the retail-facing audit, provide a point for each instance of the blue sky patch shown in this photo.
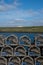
(15, 13)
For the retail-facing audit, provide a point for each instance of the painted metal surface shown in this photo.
(26, 47)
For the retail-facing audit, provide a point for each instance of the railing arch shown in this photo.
(26, 40)
(15, 60)
(3, 61)
(28, 60)
(2, 39)
(21, 50)
(39, 60)
(13, 39)
(7, 50)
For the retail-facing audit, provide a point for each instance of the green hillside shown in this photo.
(22, 29)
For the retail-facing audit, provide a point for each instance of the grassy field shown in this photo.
(22, 29)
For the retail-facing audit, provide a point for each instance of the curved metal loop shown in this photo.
(39, 60)
(21, 50)
(39, 40)
(7, 50)
(2, 40)
(3, 61)
(15, 60)
(35, 49)
(26, 40)
(13, 39)
(28, 60)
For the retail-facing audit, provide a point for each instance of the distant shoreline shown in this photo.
(22, 29)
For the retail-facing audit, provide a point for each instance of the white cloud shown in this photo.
(16, 23)
(4, 6)
(28, 13)
(19, 17)
(21, 14)
(19, 26)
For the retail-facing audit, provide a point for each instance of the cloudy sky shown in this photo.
(21, 13)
